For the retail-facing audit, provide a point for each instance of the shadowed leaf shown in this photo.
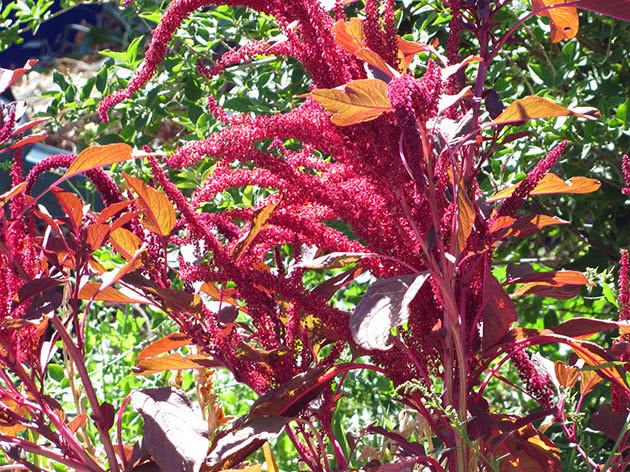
(528, 451)
(532, 107)
(616, 8)
(99, 156)
(334, 260)
(499, 312)
(608, 422)
(551, 183)
(385, 305)
(174, 435)
(356, 102)
(157, 208)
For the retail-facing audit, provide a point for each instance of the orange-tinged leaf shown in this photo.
(567, 376)
(174, 361)
(99, 156)
(125, 242)
(111, 211)
(77, 422)
(272, 466)
(124, 219)
(588, 380)
(551, 183)
(529, 451)
(594, 356)
(225, 296)
(452, 70)
(9, 194)
(11, 427)
(167, 343)
(155, 205)
(33, 138)
(465, 218)
(532, 107)
(92, 290)
(562, 277)
(111, 277)
(407, 50)
(259, 221)
(96, 233)
(565, 22)
(350, 36)
(71, 206)
(29, 125)
(356, 102)
(526, 225)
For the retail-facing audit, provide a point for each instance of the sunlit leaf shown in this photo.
(356, 102)
(334, 260)
(9, 194)
(77, 422)
(588, 381)
(99, 156)
(174, 361)
(33, 138)
(167, 343)
(567, 376)
(528, 451)
(560, 285)
(125, 242)
(91, 290)
(533, 107)
(385, 305)
(112, 210)
(524, 226)
(272, 466)
(452, 70)
(155, 205)
(407, 50)
(350, 36)
(565, 22)
(26, 126)
(71, 206)
(96, 233)
(11, 427)
(7, 77)
(551, 183)
(259, 221)
(465, 217)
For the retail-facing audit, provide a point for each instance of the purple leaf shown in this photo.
(385, 305)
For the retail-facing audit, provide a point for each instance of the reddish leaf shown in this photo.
(71, 206)
(106, 415)
(385, 305)
(174, 435)
(77, 422)
(465, 217)
(155, 205)
(563, 277)
(551, 183)
(96, 233)
(33, 138)
(595, 356)
(50, 221)
(499, 312)
(29, 125)
(91, 290)
(452, 70)
(328, 288)
(567, 376)
(334, 260)
(174, 361)
(616, 8)
(528, 451)
(7, 77)
(34, 287)
(167, 343)
(608, 422)
(356, 102)
(407, 50)
(564, 20)
(99, 156)
(125, 218)
(532, 107)
(9, 425)
(9, 194)
(588, 381)
(259, 221)
(225, 296)
(125, 242)
(112, 210)
(560, 285)
(524, 226)
(350, 36)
